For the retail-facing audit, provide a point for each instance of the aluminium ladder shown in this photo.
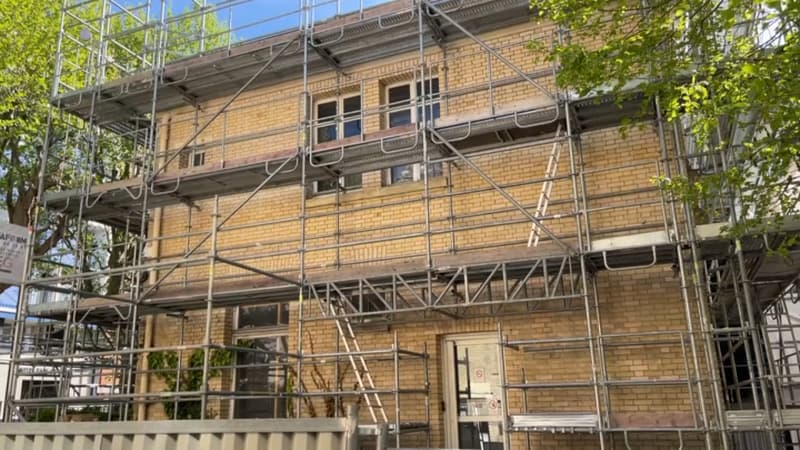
(547, 189)
(360, 368)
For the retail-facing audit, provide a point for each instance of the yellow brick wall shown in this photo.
(265, 120)
(266, 232)
(481, 217)
(627, 305)
(382, 224)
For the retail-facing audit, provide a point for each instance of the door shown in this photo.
(473, 378)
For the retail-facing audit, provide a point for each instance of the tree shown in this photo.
(718, 65)
(28, 32)
(28, 36)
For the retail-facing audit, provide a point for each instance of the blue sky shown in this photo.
(285, 13)
(8, 299)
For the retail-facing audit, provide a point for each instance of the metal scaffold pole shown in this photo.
(212, 265)
(689, 314)
(426, 164)
(595, 343)
(304, 144)
(294, 145)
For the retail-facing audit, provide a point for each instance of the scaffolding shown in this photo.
(120, 68)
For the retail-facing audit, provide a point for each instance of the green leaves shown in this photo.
(165, 367)
(729, 66)
(79, 153)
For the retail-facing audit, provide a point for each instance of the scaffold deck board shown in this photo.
(389, 28)
(119, 203)
(518, 262)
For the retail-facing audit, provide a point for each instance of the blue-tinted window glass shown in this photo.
(352, 128)
(351, 107)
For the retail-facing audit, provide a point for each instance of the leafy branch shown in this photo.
(165, 367)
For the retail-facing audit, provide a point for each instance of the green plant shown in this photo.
(724, 72)
(41, 415)
(165, 367)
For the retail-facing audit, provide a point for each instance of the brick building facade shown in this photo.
(398, 208)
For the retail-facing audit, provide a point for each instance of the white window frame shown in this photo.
(413, 107)
(339, 117)
(340, 122)
(194, 155)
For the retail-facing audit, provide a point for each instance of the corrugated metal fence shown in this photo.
(251, 434)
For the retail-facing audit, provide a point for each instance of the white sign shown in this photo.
(12, 253)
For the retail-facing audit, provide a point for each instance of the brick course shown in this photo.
(621, 200)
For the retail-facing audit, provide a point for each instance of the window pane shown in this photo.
(198, 159)
(351, 105)
(436, 110)
(258, 316)
(435, 169)
(401, 174)
(433, 112)
(327, 185)
(284, 319)
(326, 130)
(352, 181)
(326, 134)
(431, 88)
(399, 118)
(400, 93)
(326, 110)
(369, 303)
(39, 389)
(352, 128)
(263, 376)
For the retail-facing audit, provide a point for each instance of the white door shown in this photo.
(472, 380)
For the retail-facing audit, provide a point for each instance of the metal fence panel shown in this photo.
(250, 434)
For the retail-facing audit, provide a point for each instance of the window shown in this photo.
(265, 373)
(37, 389)
(412, 172)
(346, 182)
(328, 119)
(264, 370)
(260, 316)
(198, 158)
(402, 98)
(331, 127)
